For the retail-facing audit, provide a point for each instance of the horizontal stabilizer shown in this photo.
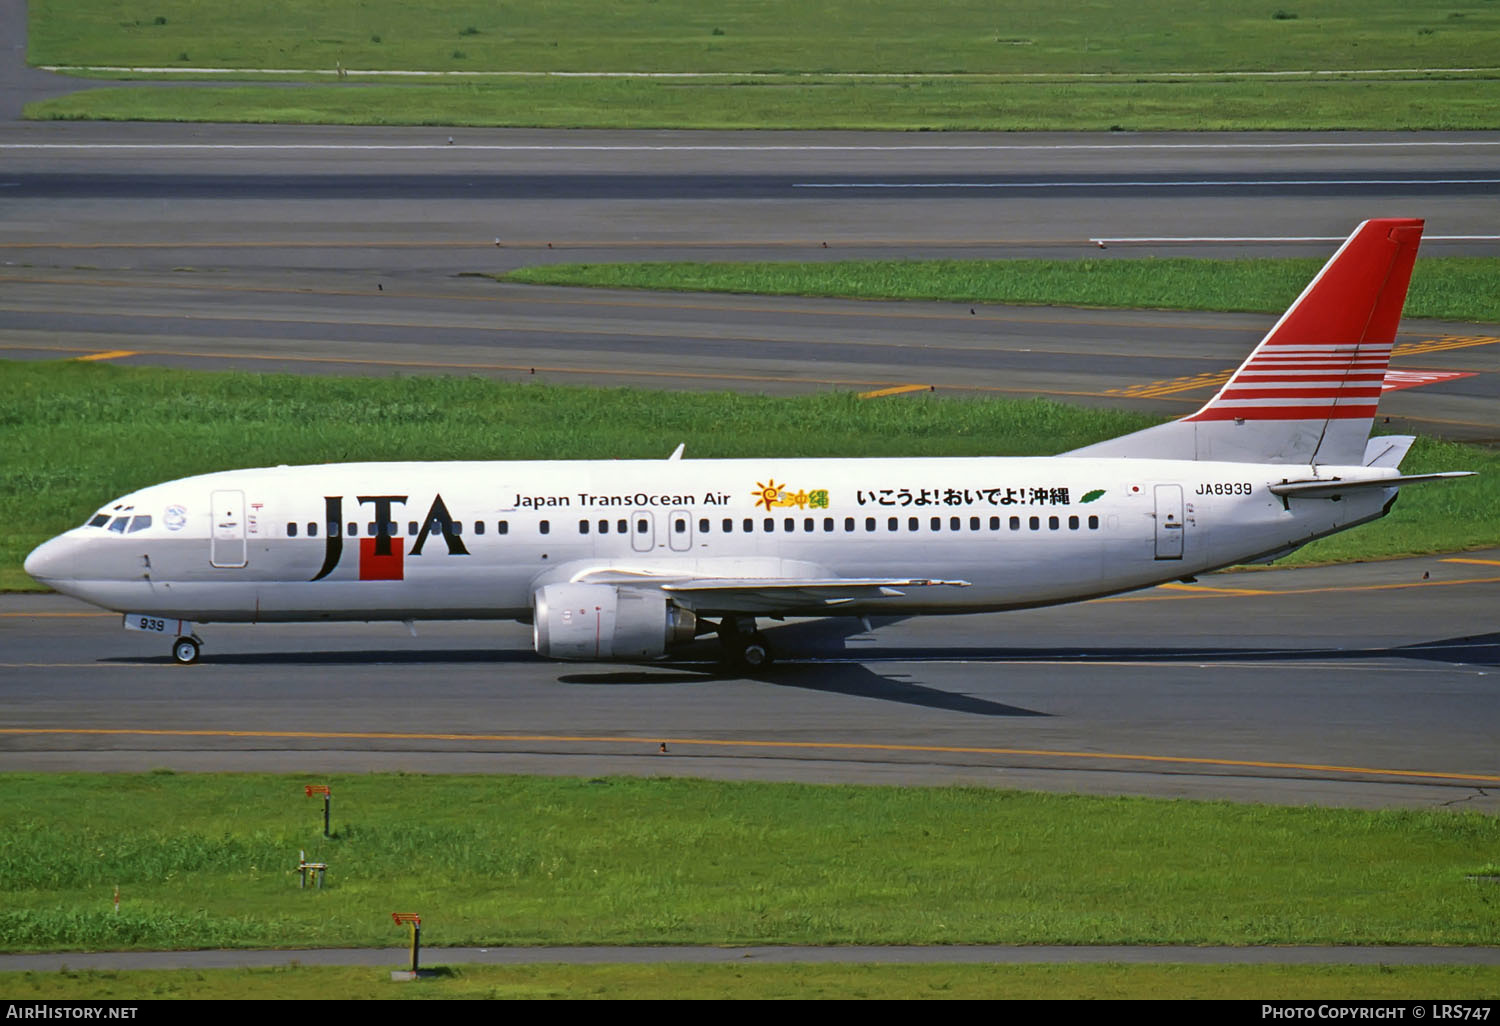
(1332, 488)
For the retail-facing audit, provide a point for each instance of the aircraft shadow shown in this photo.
(851, 679)
(1470, 650)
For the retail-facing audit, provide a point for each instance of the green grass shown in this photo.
(80, 434)
(209, 862)
(964, 36)
(1026, 65)
(1451, 288)
(677, 981)
(918, 105)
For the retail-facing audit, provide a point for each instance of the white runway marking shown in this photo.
(1277, 238)
(1193, 184)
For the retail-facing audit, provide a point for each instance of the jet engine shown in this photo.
(601, 621)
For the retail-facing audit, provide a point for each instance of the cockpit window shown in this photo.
(140, 523)
(99, 520)
(118, 524)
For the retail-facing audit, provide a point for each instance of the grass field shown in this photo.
(79, 434)
(961, 36)
(1453, 288)
(1026, 65)
(767, 982)
(208, 861)
(927, 105)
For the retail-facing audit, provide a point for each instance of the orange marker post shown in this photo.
(415, 922)
(327, 793)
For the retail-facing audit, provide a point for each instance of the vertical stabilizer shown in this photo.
(1308, 393)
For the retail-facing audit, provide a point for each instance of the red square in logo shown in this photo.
(379, 568)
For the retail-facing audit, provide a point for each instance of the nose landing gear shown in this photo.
(185, 649)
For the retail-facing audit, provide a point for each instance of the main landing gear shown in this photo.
(744, 647)
(185, 649)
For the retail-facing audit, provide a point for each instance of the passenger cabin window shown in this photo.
(545, 527)
(291, 530)
(312, 528)
(353, 529)
(411, 528)
(703, 525)
(1093, 523)
(479, 527)
(583, 527)
(728, 526)
(502, 527)
(604, 527)
(679, 525)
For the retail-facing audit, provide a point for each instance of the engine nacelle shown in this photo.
(601, 621)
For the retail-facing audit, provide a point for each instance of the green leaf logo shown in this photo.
(1091, 496)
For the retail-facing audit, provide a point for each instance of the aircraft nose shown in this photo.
(53, 560)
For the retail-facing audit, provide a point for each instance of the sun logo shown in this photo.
(767, 495)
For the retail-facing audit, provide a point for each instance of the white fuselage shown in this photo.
(476, 540)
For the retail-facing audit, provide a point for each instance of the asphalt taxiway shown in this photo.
(358, 251)
(1364, 685)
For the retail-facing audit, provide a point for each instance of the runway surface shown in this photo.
(1370, 685)
(346, 250)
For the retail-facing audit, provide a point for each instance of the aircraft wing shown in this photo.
(768, 595)
(813, 595)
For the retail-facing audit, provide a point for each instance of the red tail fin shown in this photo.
(1327, 356)
(1308, 392)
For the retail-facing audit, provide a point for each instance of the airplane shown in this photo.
(628, 560)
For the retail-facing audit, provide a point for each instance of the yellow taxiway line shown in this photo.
(896, 390)
(653, 744)
(108, 354)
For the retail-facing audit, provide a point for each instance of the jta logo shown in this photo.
(381, 557)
